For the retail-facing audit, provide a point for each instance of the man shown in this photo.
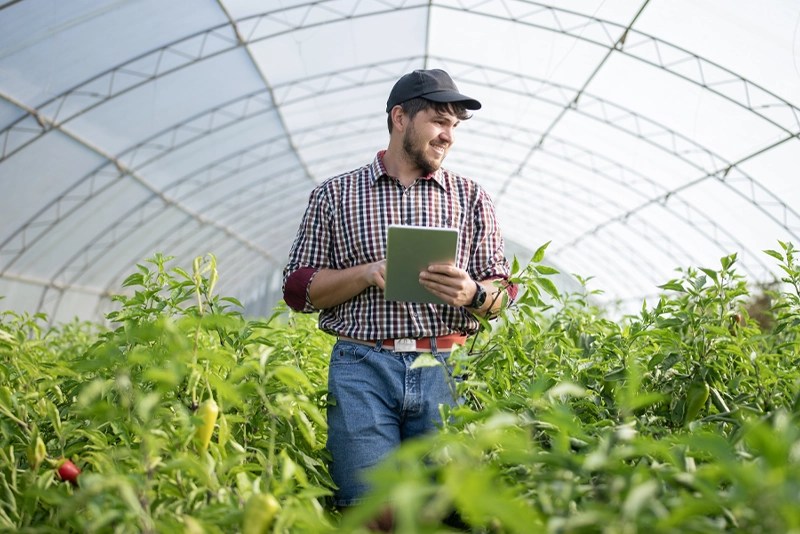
(337, 266)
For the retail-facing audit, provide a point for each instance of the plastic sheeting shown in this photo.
(636, 137)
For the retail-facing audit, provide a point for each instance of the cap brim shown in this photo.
(452, 96)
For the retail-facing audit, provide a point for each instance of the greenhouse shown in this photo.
(157, 159)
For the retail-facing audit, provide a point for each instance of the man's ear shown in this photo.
(399, 118)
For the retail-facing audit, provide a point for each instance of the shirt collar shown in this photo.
(377, 171)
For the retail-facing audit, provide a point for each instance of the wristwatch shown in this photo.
(479, 298)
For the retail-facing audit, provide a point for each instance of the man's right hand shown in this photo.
(331, 287)
(376, 274)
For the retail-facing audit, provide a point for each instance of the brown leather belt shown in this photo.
(443, 343)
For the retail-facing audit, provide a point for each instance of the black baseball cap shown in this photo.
(434, 84)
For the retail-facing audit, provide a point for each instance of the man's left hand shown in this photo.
(451, 284)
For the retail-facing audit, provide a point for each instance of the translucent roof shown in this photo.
(637, 137)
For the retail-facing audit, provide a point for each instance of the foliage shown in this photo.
(681, 418)
(122, 405)
(576, 423)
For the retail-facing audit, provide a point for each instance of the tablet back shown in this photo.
(409, 251)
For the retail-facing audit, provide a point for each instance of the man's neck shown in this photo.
(398, 166)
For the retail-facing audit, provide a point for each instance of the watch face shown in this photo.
(479, 298)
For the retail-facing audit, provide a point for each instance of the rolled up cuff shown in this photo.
(295, 291)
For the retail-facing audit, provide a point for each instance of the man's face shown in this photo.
(428, 139)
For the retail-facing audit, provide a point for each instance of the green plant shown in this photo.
(680, 418)
(132, 407)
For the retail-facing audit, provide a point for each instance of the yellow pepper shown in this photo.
(208, 412)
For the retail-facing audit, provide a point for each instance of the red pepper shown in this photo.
(69, 472)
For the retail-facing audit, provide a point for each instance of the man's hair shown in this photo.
(415, 105)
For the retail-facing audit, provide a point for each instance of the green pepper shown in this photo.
(696, 397)
(259, 512)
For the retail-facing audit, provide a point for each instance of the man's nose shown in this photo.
(447, 134)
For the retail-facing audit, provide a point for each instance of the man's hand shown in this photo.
(332, 287)
(376, 274)
(451, 284)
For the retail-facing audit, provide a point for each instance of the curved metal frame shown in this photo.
(212, 42)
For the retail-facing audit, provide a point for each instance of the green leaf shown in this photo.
(136, 279)
(549, 287)
(546, 269)
(292, 377)
(711, 445)
(232, 301)
(616, 374)
(672, 285)
(643, 400)
(481, 496)
(183, 273)
(639, 497)
(539, 254)
(711, 273)
(727, 261)
(564, 390)
(425, 359)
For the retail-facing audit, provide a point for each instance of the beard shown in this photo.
(415, 148)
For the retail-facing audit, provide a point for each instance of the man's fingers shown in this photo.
(444, 268)
(377, 274)
(448, 279)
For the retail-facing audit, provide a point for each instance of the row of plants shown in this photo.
(182, 415)
(683, 418)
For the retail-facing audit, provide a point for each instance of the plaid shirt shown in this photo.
(345, 225)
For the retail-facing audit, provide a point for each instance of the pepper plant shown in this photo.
(178, 414)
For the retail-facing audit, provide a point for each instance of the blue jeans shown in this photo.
(376, 401)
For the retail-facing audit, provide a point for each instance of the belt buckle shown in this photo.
(405, 344)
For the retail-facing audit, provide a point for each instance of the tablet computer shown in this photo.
(409, 251)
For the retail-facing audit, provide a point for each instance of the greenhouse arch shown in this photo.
(636, 138)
